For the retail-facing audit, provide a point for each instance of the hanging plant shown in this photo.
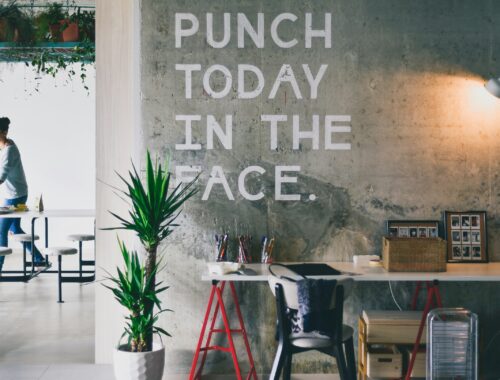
(36, 39)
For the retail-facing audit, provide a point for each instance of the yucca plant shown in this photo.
(133, 290)
(154, 209)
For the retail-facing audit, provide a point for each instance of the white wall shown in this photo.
(54, 129)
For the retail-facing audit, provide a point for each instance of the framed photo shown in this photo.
(422, 232)
(466, 232)
(476, 252)
(404, 232)
(414, 229)
(433, 232)
(474, 221)
(456, 237)
(455, 222)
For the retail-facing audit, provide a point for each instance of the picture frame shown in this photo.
(466, 236)
(413, 229)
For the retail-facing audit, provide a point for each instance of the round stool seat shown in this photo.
(81, 237)
(24, 238)
(4, 251)
(59, 251)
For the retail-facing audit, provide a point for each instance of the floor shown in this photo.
(102, 372)
(36, 330)
(43, 340)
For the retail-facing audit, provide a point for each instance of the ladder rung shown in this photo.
(215, 348)
(224, 330)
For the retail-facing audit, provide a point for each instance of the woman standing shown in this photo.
(15, 186)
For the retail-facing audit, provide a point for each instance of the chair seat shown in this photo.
(59, 251)
(81, 237)
(4, 251)
(24, 238)
(317, 340)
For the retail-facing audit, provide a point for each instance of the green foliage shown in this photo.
(86, 23)
(133, 290)
(29, 35)
(15, 25)
(52, 61)
(54, 13)
(154, 208)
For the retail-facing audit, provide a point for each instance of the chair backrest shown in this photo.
(287, 281)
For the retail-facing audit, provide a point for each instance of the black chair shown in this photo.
(338, 344)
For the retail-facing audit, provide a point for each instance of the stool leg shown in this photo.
(80, 251)
(59, 278)
(24, 259)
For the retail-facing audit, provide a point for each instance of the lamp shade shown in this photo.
(493, 86)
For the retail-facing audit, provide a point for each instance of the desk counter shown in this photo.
(364, 272)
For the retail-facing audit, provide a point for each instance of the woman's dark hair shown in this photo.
(4, 124)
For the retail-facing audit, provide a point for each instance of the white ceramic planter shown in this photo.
(139, 365)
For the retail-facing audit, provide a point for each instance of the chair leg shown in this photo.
(351, 360)
(59, 278)
(341, 363)
(279, 360)
(24, 259)
(287, 371)
(80, 252)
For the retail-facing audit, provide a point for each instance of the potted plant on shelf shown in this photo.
(84, 23)
(49, 23)
(15, 25)
(154, 209)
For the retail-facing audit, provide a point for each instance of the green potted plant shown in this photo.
(154, 209)
(84, 21)
(49, 23)
(15, 25)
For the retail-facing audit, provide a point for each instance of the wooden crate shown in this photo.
(367, 335)
(387, 326)
(384, 361)
(413, 255)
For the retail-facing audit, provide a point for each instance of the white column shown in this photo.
(117, 141)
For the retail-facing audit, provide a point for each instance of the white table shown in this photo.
(33, 216)
(363, 272)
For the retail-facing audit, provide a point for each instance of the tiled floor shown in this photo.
(37, 330)
(102, 372)
(42, 340)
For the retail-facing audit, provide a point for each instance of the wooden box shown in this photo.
(413, 255)
(419, 368)
(384, 361)
(399, 327)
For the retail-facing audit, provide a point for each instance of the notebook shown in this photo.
(313, 269)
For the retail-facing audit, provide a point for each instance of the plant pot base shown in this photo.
(139, 365)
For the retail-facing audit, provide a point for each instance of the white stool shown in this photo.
(59, 252)
(5, 251)
(25, 239)
(80, 238)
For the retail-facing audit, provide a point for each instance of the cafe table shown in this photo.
(474, 272)
(33, 216)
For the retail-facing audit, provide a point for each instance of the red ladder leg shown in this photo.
(433, 295)
(252, 372)
(415, 295)
(202, 334)
(212, 325)
(228, 333)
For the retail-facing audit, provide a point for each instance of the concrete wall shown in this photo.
(424, 139)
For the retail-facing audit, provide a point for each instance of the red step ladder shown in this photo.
(216, 295)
